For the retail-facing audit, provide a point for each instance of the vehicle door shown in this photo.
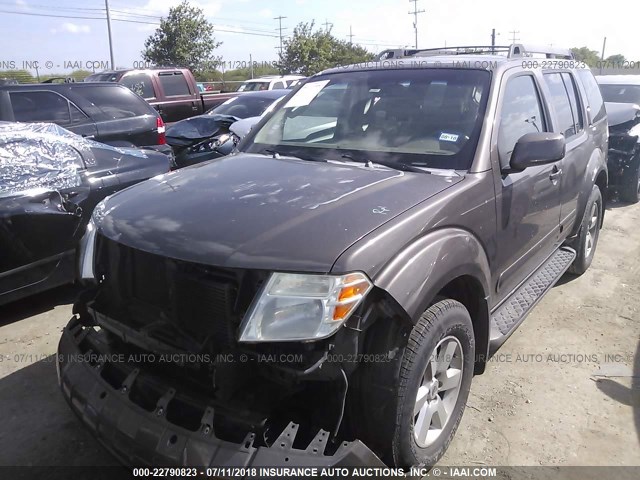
(527, 201)
(566, 103)
(51, 107)
(40, 215)
(179, 101)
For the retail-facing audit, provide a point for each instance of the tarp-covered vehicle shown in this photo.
(50, 181)
(622, 99)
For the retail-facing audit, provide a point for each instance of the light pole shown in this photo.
(113, 64)
(415, 14)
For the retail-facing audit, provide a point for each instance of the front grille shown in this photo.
(184, 304)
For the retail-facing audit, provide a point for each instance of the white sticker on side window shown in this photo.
(448, 137)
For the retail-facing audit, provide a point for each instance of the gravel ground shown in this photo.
(563, 391)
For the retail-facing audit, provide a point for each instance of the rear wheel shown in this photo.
(589, 233)
(630, 191)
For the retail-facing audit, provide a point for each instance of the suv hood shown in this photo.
(252, 211)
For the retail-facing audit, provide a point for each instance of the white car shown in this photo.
(272, 82)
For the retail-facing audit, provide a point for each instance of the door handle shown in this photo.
(555, 174)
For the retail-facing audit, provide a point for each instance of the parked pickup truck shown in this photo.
(173, 92)
(325, 295)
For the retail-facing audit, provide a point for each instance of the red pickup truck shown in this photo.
(173, 92)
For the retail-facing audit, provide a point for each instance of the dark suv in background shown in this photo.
(621, 94)
(328, 292)
(106, 112)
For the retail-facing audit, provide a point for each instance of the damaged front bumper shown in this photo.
(139, 436)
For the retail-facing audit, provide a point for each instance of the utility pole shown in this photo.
(113, 64)
(280, 18)
(350, 35)
(415, 14)
(493, 40)
(513, 33)
(604, 45)
(326, 25)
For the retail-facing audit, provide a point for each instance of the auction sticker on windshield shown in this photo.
(306, 94)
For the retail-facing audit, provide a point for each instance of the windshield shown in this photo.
(253, 86)
(244, 106)
(427, 118)
(621, 93)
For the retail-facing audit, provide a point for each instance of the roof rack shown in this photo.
(516, 50)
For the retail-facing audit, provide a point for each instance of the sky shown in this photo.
(60, 43)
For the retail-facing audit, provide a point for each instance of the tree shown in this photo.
(586, 55)
(308, 51)
(185, 38)
(617, 59)
(21, 76)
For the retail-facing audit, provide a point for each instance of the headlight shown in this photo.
(88, 243)
(303, 307)
(87, 252)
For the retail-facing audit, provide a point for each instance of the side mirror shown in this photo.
(539, 148)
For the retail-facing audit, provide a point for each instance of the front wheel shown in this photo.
(434, 382)
(589, 233)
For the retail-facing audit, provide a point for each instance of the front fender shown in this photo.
(422, 269)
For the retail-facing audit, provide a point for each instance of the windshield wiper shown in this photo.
(405, 167)
(276, 154)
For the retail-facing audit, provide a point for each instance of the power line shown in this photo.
(49, 7)
(240, 31)
(415, 14)
(33, 14)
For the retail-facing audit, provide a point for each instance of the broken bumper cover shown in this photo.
(138, 437)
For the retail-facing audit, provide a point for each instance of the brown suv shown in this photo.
(326, 294)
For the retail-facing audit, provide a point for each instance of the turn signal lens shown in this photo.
(355, 287)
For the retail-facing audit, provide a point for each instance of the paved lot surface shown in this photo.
(564, 390)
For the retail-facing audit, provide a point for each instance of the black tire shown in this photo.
(441, 321)
(630, 191)
(588, 236)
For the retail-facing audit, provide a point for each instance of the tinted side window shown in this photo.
(40, 107)
(174, 84)
(139, 83)
(574, 99)
(278, 86)
(594, 97)
(521, 114)
(77, 116)
(561, 103)
(114, 102)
